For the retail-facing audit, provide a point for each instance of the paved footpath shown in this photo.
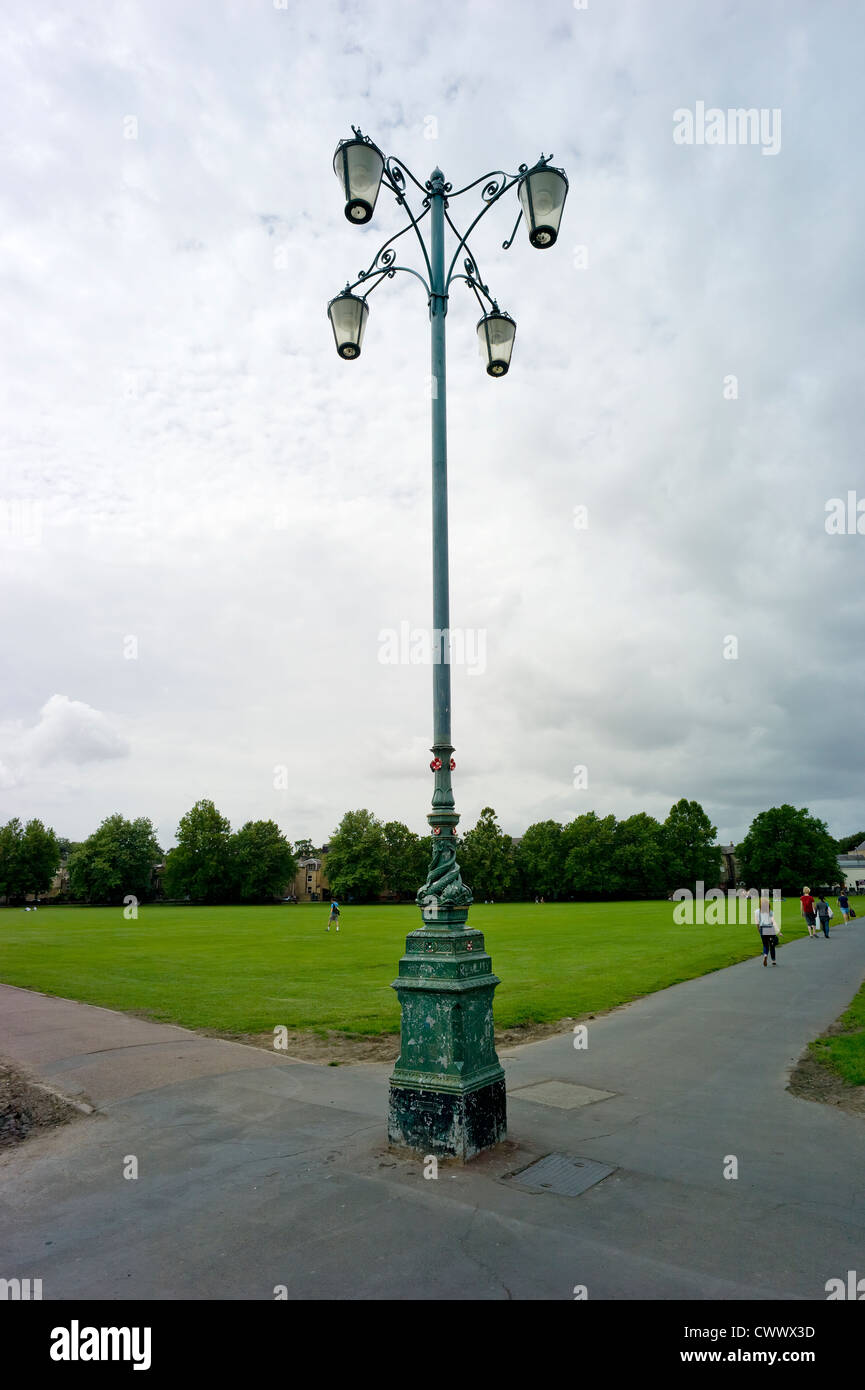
(257, 1171)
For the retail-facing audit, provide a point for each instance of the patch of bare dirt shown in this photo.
(811, 1079)
(27, 1107)
(336, 1048)
(534, 1032)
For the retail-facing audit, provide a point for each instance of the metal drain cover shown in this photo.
(565, 1176)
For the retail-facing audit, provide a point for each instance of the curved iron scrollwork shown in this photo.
(494, 188)
(396, 175)
(383, 261)
(475, 284)
(474, 281)
(495, 182)
(397, 171)
(506, 245)
(385, 256)
(475, 287)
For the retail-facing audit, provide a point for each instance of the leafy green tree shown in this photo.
(262, 861)
(39, 857)
(305, 849)
(638, 857)
(690, 854)
(787, 848)
(355, 865)
(200, 866)
(486, 858)
(406, 860)
(589, 844)
(11, 867)
(29, 858)
(540, 861)
(117, 859)
(850, 842)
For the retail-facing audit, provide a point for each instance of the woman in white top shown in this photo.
(769, 931)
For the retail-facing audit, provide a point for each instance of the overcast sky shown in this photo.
(208, 519)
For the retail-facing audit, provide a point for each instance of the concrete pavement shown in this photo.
(256, 1171)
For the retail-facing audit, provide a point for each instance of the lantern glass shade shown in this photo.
(542, 197)
(496, 333)
(358, 165)
(348, 315)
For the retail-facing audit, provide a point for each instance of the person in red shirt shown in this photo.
(808, 913)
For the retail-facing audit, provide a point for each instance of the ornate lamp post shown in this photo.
(447, 1091)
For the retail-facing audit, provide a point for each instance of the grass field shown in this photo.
(247, 970)
(844, 1052)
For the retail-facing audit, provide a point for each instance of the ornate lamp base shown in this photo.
(447, 1091)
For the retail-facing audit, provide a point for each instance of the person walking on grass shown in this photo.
(844, 905)
(769, 930)
(334, 915)
(824, 912)
(808, 913)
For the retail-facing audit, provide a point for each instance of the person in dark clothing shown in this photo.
(824, 912)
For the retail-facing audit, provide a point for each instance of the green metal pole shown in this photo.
(441, 602)
(447, 1090)
(440, 909)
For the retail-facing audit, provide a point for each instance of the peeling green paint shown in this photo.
(445, 988)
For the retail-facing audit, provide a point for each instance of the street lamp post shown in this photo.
(447, 1091)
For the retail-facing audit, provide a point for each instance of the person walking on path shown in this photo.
(334, 915)
(808, 911)
(844, 905)
(769, 931)
(824, 912)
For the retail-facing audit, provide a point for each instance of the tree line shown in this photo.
(209, 864)
(591, 857)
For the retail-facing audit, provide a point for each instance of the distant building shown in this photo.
(852, 867)
(309, 884)
(729, 866)
(59, 884)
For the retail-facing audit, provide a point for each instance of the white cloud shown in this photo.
(68, 731)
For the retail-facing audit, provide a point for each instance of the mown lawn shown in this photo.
(844, 1052)
(247, 970)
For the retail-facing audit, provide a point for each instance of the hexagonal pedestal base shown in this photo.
(447, 1123)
